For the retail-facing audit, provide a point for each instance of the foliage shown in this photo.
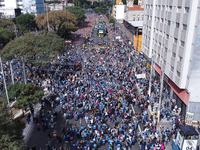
(135, 2)
(6, 31)
(78, 12)
(10, 130)
(50, 2)
(60, 21)
(25, 94)
(112, 20)
(107, 15)
(124, 2)
(100, 9)
(26, 20)
(37, 49)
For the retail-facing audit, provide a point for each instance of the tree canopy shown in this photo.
(26, 20)
(10, 130)
(6, 31)
(37, 49)
(25, 94)
(60, 21)
(78, 12)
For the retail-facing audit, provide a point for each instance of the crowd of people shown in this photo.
(103, 92)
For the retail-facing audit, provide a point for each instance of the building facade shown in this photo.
(169, 35)
(7, 7)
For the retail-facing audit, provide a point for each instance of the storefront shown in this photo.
(180, 95)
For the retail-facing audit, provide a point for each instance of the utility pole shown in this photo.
(24, 70)
(4, 82)
(160, 98)
(11, 70)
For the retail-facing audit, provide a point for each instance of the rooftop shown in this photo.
(135, 7)
(136, 23)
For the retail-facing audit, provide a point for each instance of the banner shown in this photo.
(179, 140)
(139, 76)
(189, 118)
(189, 145)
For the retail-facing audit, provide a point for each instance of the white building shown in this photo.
(119, 12)
(7, 7)
(169, 34)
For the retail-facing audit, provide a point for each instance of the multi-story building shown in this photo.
(169, 34)
(7, 7)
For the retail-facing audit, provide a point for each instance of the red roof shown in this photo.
(135, 7)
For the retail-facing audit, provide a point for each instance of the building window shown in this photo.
(182, 43)
(1, 0)
(184, 27)
(178, 9)
(173, 54)
(164, 62)
(163, 7)
(180, 59)
(177, 25)
(162, 20)
(167, 36)
(170, 8)
(172, 68)
(175, 40)
(187, 10)
(19, 0)
(2, 5)
(165, 49)
(178, 74)
(169, 22)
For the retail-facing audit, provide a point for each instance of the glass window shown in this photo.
(178, 74)
(169, 22)
(179, 9)
(167, 36)
(175, 40)
(182, 43)
(173, 54)
(187, 9)
(184, 27)
(170, 8)
(177, 25)
(1, 0)
(172, 68)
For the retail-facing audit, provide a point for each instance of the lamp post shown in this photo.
(47, 18)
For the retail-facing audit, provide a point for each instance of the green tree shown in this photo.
(112, 20)
(135, 2)
(37, 50)
(78, 12)
(25, 94)
(10, 130)
(60, 21)
(107, 15)
(26, 20)
(6, 31)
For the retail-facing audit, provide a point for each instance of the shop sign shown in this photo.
(166, 78)
(189, 118)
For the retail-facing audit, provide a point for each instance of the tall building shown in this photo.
(7, 7)
(169, 34)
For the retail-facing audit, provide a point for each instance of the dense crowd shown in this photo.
(104, 94)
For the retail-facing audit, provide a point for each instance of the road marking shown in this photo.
(134, 113)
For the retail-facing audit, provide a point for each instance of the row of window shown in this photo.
(2, 5)
(177, 72)
(2, 0)
(168, 8)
